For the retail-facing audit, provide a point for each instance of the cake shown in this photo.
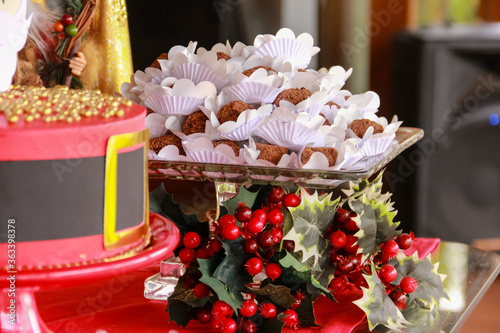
(73, 175)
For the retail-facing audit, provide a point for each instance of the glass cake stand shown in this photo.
(228, 178)
(247, 174)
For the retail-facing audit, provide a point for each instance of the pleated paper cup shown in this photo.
(254, 92)
(156, 125)
(172, 105)
(368, 102)
(247, 122)
(292, 135)
(197, 73)
(202, 150)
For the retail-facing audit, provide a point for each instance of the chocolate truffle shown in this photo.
(293, 95)
(359, 127)
(231, 111)
(271, 153)
(156, 63)
(330, 153)
(250, 71)
(230, 143)
(156, 144)
(223, 55)
(195, 123)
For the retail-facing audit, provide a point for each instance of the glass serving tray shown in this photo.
(248, 174)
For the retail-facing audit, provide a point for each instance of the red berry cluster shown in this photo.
(261, 229)
(349, 268)
(65, 24)
(195, 247)
(262, 233)
(387, 273)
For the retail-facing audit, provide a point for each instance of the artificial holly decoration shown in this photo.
(271, 264)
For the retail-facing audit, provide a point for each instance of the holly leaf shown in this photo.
(375, 220)
(305, 312)
(243, 195)
(373, 190)
(230, 296)
(378, 306)
(180, 312)
(162, 203)
(430, 283)
(421, 318)
(271, 326)
(310, 221)
(231, 270)
(277, 294)
(295, 273)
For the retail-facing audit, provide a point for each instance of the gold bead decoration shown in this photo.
(60, 104)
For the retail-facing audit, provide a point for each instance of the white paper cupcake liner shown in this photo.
(377, 145)
(202, 150)
(197, 73)
(172, 105)
(292, 48)
(156, 125)
(242, 132)
(254, 92)
(291, 135)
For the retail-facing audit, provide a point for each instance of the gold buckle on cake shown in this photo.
(112, 238)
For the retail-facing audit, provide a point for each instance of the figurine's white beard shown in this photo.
(13, 35)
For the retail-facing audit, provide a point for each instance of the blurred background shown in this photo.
(434, 63)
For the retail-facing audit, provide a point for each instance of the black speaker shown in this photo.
(447, 81)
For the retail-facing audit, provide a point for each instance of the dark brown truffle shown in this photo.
(156, 63)
(330, 153)
(195, 123)
(250, 71)
(293, 95)
(271, 153)
(359, 127)
(156, 144)
(231, 111)
(230, 143)
(223, 55)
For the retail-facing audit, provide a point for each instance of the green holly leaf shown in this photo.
(375, 220)
(231, 270)
(162, 203)
(230, 296)
(277, 294)
(244, 195)
(271, 326)
(180, 312)
(310, 221)
(378, 306)
(373, 190)
(305, 312)
(420, 317)
(430, 283)
(295, 273)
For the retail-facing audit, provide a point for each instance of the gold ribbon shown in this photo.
(112, 238)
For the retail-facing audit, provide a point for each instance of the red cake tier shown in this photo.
(73, 171)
